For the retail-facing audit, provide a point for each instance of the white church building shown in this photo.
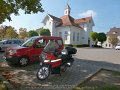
(73, 31)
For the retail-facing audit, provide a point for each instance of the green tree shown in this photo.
(101, 37)
(113, 39)
(11, 33)
(45, 32)
(8, 7)
(94, 36)
(32, 33)
(2, 32)
(38, 30)
(23, 33)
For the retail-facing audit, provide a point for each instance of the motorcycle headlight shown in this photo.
(11, 52)
(64, 52)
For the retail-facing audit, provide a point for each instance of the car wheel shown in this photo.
(23, 61)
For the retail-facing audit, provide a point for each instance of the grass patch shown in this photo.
(106, 87)
(2, 86)
(115, 73)
(110, 87)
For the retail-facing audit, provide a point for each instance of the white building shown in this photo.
(73, 31)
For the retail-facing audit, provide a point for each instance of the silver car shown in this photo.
(9, 43)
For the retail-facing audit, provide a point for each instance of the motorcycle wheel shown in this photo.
(43, 72)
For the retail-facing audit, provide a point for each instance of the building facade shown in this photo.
(113, 31)
(73, 31)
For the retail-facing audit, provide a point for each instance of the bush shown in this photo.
(70, 45)
(78, 45)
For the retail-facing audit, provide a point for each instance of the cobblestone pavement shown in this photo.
(87, 62)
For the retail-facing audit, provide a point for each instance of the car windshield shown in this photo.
(29, 42)
(51, 46)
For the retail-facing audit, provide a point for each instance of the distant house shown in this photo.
(113, 31)
(73, 31)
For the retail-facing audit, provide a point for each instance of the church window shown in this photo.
(77, 36)
(66, 12)
(73, 36)
(66, 35)
(66, 32)
(50, 23)
(60, 34)
(83, 37)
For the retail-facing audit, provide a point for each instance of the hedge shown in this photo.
(78, 45)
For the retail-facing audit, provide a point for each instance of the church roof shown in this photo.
(67, 20)
(114, 30)
(55, 18)
(83, 20)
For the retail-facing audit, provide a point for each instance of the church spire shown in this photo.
(67, 10)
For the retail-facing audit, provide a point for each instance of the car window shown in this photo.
(9, 42)
(60, 42)
(41, 43)
(29, 42)
(15, 42)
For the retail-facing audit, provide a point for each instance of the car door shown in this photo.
(37, 49)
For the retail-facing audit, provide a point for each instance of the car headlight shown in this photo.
(11, 52)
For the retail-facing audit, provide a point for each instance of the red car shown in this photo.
(30, 50)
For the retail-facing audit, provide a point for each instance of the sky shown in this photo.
(105, 13)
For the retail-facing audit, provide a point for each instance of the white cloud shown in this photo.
(88, 13)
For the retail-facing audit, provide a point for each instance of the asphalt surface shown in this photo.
(87, 62)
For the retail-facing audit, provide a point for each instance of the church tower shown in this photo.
(67, 10)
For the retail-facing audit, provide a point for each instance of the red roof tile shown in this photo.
(82, 20)
(67, 20)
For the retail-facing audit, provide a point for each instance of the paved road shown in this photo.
(106, 55)
(87, 62)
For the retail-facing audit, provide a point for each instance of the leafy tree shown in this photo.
(2, 32)
(45, 32)
(11, 33)
(8, 7)
(32, 33)
(94, 36)
(23, 33)
(38, 30)
(113, 39)
(102, 37)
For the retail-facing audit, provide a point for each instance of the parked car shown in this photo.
(29, 50)
(9, 43)
(117, 47)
